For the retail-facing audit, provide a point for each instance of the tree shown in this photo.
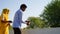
(36, 22)
(51, 14)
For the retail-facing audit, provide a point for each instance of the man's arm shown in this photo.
(20, 19)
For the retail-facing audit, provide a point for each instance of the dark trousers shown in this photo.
(17, 31)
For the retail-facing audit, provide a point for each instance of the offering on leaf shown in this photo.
(28, 22)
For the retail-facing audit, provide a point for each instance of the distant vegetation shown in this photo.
(10, 28)
(51, 14)
(36, 22)
(49, 18)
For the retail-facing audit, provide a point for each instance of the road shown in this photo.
(41, 31)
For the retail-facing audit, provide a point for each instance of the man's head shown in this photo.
(23, 7)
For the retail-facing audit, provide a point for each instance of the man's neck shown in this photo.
(21, 10)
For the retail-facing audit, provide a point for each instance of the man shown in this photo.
(18, 19)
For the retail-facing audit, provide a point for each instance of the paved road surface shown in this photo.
(41, 31)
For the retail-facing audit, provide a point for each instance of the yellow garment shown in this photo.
(4, 27)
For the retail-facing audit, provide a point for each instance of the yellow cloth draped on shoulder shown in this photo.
(4, 27)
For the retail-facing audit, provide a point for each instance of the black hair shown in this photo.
(23, 5)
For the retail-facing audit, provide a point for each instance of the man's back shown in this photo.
(17, 19)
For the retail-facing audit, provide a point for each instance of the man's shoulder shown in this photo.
(18, 11)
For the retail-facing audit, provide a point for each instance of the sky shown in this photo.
(34, 7)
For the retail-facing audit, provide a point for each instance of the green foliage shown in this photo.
(10, 28)
(51, 14)
(36, 22)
